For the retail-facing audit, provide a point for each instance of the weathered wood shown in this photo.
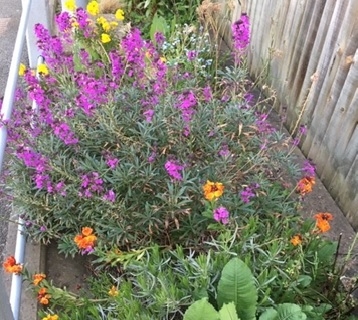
(311, 50)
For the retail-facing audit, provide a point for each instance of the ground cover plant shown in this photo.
(181, 192)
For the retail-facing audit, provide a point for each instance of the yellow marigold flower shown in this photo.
(42, 68)
(70, 5)
(296, 240)
(93, 8)
(22, 69)
(114, 24)
(213, 190)
(37, 278)
(305, 185)
(119, 15)
(113, 292)
(51, 317)
(322, 221)
(105, 38)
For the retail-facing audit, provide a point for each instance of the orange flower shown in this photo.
(37, 278)
(213, 190)
(86, 239)
(296, 240)
(322, 221)
(86, 231)
(305, 185)
(43, 297)
(11, 266)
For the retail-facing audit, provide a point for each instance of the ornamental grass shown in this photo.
(152, 158)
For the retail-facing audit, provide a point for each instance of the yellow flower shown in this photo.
(105, 38)
(296, 240)
(213, 190)
(113, 292)
(163, 59)
(93, 8)
(22, 69)
(51, 317)
(119, 15)
(42, 68)
(70, 5)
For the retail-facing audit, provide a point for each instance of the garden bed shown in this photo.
(154, 165)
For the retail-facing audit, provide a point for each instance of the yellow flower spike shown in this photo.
(105, 38)
(93, 8)
(42, 68)
(22, 69)
(70, 5)
(113, 292)
(119, 15)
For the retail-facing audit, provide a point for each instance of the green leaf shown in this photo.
(228, 312)
(269, 314)
(284, 311)
(201, 310)
(237, 285)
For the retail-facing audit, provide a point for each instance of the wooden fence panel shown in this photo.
(311, 50)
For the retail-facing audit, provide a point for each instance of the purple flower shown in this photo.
(207, 93)
(174, 170)
(191, 55)
(241, 33)
(43, 228)
(110, 196)
(159, 38)
(148, 115)
(308, 169)
(112, 162)
(221, 214)
(152, 157)
(249, 193)
(261, 123)
(302, 130)
(224, 151)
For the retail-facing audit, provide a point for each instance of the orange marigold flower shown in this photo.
(322, 221)
(113, 292)
(43, 297)
(11, 266)
(296, 240)
(86, 239)
(213, 190)
(37, 278)
(305, 185)
(86, 231)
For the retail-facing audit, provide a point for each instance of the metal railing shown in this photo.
(32, 13)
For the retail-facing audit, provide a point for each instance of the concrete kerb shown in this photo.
(35, 257)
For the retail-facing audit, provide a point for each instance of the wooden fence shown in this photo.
(311, 50)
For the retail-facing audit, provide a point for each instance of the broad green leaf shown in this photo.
(269, 314)
(290, 311)
(201, 310)
(228, 312)
(237, 285)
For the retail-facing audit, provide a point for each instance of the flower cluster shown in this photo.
(240, 35)
(51, 317)
(11, 266)
(213, 190)
(221, 214)
(249, 192)
(113, 292)
(174, 170)
(305, 185)
(322, 221)
(43, 296)
(85, 240)
(37, 278)
(296, 240)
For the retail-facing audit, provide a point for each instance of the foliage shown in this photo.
(146, 157)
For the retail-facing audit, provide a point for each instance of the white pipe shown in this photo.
(16, 284)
